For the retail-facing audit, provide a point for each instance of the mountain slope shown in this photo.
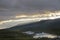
(16, 32)
(52, 26)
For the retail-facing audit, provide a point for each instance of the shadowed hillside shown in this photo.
(51, 26)
(15, 33)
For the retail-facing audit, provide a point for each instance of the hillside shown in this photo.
(16, 32)
(50, 26)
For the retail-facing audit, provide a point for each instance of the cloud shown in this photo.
(32, 4)
(12, 7)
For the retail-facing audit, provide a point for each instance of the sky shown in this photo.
(11, 8)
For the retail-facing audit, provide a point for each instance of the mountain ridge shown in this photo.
(52, 26)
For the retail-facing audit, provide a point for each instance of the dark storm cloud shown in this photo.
(31, 4)
(11, 7)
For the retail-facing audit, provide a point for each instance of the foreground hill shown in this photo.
(18, 35)
(14, 35)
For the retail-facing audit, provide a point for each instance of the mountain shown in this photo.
(51, 26)
(16, 32)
